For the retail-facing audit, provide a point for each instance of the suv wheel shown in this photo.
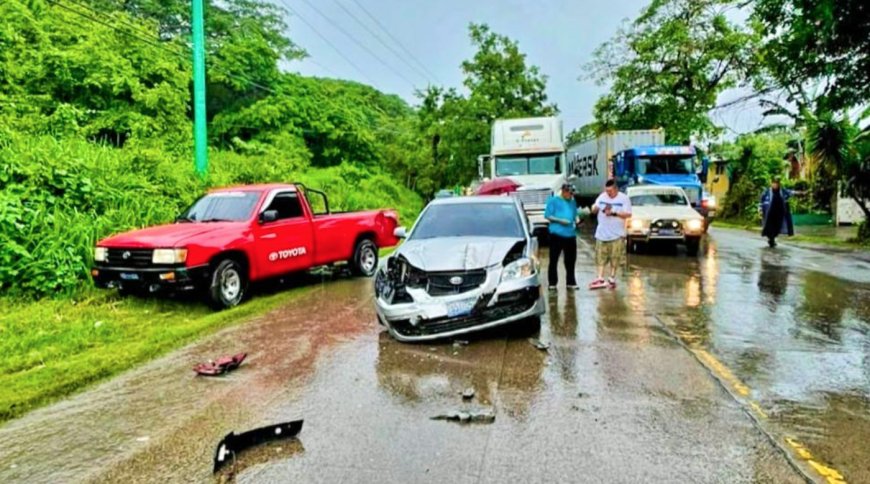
(228, 284)
(365, 258)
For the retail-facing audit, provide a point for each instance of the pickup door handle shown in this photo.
(269, 236)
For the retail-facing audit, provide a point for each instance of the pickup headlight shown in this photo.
(169, 256)
(101, 254)
(695, 225)
(518, 269)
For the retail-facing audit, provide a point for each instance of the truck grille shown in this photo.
(532, 197)
(129, 257)
(440, 283)
(671, 227)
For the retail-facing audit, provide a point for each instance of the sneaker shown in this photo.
(552, 288)
(572, 287)
(611, 282)
(598, 284)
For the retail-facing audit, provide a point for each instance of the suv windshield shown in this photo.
(666, 165)
(469, 220)
(660, 198)
(528, 165)
(221, 207)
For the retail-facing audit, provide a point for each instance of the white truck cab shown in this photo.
(530, 152)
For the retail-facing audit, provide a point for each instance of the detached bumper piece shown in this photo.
(509, 304)
(149, 278)
(233, 443)
(220, 366)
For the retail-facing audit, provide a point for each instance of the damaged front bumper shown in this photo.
(493, 303)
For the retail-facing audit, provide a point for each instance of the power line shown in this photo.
(325, 39)
(358, 43)
(378, 37)
(397, 41)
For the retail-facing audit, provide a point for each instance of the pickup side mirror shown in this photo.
(268, 216)
(400, 233)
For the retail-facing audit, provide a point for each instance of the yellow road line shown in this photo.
(722, 372)
(831, 475)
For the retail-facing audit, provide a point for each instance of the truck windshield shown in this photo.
(469, 220)
(666, 165)
(221, 207)
(661, 198)
(528, 165)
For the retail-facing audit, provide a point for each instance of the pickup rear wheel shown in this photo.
(365, 258)
(228, 284)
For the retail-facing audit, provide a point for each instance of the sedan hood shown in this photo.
(652, 212)
(455, 253)
(169, 235)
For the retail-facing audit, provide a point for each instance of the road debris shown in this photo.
(539, 344)
(459, 343)
(477, 416)
(468, 394)
(232, 444)
(221, 365)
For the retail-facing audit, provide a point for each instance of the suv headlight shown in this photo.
(101, 254)
(518, 269)
(695, 225)
(169, 256)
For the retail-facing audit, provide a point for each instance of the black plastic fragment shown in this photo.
(232, 444)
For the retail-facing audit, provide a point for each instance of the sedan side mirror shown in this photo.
(268, 216)
(400, 233)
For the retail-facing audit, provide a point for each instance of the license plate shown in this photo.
(666, 232)
(460, 308)
(127, 276)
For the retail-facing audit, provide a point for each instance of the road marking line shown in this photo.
(737, 387)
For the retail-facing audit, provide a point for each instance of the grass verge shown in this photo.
(52, 348)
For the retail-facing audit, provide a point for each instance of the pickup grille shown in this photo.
(129, 257)
(532, 197)
(440, 284)
(666, 224)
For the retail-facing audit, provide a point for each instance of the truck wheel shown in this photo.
(365, 258)
(692, 247)
(228, 284)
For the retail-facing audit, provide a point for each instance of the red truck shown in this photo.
(233, 236)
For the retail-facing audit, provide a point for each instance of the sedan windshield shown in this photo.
(661, 198)
(469, 220)
(221, 207)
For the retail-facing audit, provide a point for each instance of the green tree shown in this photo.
(815, 49)
(667, 68)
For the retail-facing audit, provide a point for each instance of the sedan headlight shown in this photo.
(518, 269)
(636, 224)
(101, 254)
(695, 225)
(169, 256)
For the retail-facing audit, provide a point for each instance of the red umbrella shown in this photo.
(497, 186)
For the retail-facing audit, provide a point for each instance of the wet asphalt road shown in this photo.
(745, 364)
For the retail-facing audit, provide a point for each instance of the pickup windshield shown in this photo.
(666, 165)
(662, 198)
(221, 207)
(528, 165)
(469, 220)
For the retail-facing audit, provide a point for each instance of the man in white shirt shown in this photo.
(612, 208)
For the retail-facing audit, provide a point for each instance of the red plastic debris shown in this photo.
(220, 366)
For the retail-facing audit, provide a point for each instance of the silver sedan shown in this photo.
(468, 264)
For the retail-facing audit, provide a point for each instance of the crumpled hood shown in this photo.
(169, 235)
(455, 253)
(652, 212)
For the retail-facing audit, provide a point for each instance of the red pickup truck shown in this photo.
(233, 236)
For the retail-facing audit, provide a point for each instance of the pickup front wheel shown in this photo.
(365, 258)
(228, 284)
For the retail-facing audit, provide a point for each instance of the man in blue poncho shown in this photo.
(776, 216)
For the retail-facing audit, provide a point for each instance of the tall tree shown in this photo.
(667, 68)
(455, 129)
(816, 50)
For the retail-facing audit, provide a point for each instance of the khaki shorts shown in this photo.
(612, 252)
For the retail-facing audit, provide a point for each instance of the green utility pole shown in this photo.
(200, 140)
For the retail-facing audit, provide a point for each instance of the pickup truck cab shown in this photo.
(233, 236)
(663, 214)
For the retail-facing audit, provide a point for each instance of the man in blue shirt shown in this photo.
(561, 212)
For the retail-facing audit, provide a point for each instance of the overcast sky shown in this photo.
(559, 36)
